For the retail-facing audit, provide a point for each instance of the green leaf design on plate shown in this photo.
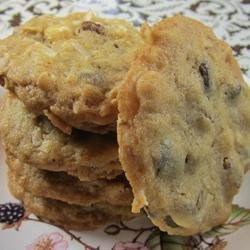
(162, 241)
(239, 217)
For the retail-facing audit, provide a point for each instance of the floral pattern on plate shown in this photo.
(155, 239)
(230, 21)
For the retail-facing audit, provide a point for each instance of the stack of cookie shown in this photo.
(58, 121)
(40, 157)
(183, 119)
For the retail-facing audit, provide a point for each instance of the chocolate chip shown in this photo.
(187, 159)
(233, 91)
(161, 162)
(169, 221)
(116, 46)
(2, 81)
(190, 166)
(199, 200)
(93, 27)
(226, 163)
(204, 73)
(40, 120)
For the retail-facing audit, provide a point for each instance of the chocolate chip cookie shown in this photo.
(184, 127)
(63, 187)
(72, 217)
(35, 141)
(69, 68)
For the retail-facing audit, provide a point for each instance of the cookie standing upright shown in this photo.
(184, 127)
(69, 68)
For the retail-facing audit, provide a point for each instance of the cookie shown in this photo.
(35, 141)
(72, 217)
(184, 127)
(69, 68)
(60, 186)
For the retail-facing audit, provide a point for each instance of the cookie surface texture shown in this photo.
(184, 126)
(69, 68)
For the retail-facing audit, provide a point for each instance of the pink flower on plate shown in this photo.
(53, 241)
(129, 246)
